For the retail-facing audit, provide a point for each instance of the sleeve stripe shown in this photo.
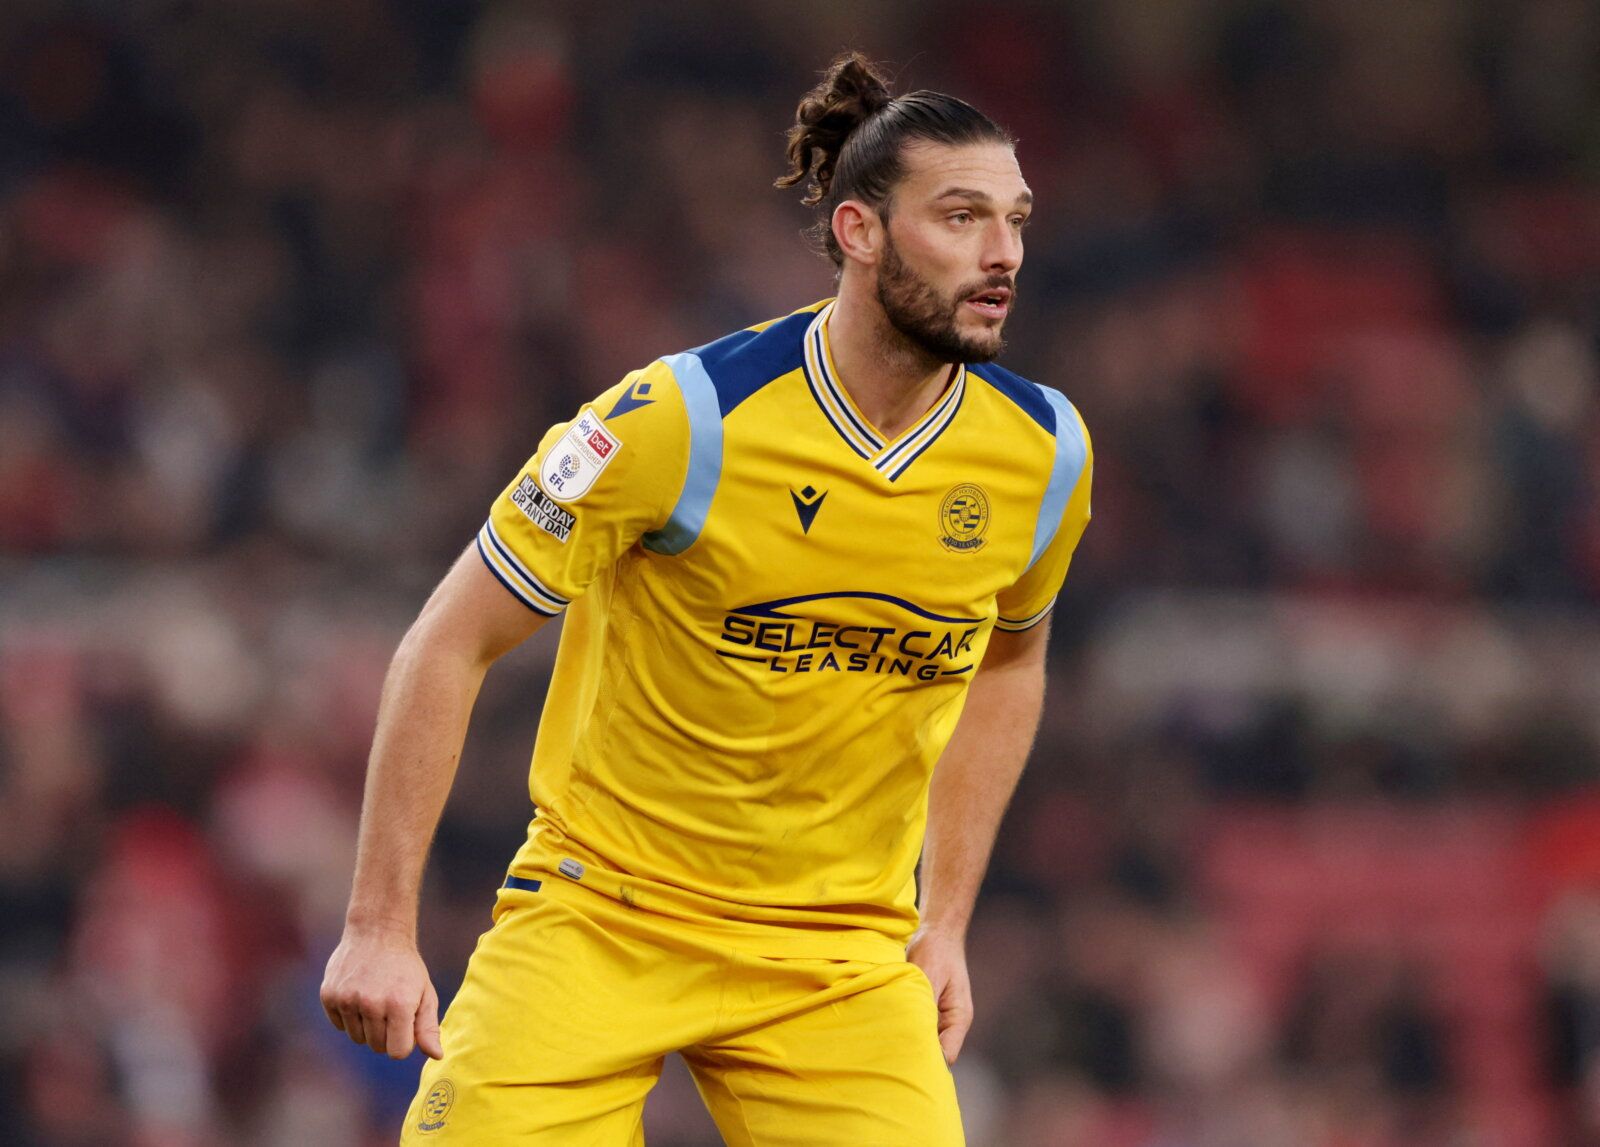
(1071, 454)
(1011, 626)
(522, 570)
(688, 516)
(503, 580)
(502, 560)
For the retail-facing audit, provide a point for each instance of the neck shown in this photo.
(891, 379)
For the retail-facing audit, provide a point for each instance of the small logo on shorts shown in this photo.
(436, 1106)
(572, 868)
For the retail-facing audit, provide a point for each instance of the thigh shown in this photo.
(854, 1061)
(607, 1111)
(557, 1033)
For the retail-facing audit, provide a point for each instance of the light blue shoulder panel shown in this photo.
(1071, 454)
(688, 517)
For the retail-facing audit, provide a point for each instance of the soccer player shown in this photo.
(789, 561)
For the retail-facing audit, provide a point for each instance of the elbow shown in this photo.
(432, 641)
(1024, 652)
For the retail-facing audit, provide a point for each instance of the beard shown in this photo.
(928, 320)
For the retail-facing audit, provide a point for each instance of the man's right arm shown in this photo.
(596, 485)
(376, 988)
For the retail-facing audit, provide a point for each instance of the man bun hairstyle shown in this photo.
(850, 132)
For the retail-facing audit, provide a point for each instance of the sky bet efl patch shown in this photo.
(577, 458)
(540, 510)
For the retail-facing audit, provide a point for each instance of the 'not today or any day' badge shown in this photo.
(575, 461)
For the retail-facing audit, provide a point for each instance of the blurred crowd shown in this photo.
(1307, 855)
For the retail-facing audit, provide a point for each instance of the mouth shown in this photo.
(992, 303)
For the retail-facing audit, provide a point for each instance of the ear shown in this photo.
(858, 229)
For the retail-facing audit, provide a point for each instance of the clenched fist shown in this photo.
(376, 990)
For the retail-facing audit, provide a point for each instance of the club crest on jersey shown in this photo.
(577, 458)
(436, 1106)
(964, 519)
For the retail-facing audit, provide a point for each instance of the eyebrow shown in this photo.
(976, 196)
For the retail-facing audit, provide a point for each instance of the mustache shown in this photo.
(967, 290)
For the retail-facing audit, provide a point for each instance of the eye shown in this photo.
(962, 217)
(1019, 221)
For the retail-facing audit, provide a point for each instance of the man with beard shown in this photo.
(792, 556)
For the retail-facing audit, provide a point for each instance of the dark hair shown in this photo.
(850, 132)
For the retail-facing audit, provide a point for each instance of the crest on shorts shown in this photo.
(436, 1106)
(964, 519)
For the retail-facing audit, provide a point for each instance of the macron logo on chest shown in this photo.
(806, 504)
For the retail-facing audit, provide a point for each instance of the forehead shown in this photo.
(931, 168)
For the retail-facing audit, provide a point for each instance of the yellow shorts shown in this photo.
(572, 999)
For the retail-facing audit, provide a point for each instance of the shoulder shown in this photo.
(1047, 407)
(732, 368)
(1065, 442)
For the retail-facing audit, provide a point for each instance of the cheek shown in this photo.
(947, 275)
(940, 255)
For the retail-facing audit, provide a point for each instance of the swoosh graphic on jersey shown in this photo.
(632, 399)
(775, 608)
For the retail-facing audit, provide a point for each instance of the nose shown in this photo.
(1002, 253)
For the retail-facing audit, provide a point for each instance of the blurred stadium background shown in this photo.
(1309, 851)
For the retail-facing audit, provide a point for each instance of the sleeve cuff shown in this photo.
(516, 577)
(1017, 625)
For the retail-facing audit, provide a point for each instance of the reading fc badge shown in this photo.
(964, 519)
(436, 1106)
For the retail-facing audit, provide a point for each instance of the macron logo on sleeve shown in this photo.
(632, 399)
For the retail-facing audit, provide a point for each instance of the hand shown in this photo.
(943, 959)
(376, 990)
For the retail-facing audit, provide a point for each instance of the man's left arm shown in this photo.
(972, 785)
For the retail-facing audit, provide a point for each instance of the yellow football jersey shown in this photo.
(772, 617)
